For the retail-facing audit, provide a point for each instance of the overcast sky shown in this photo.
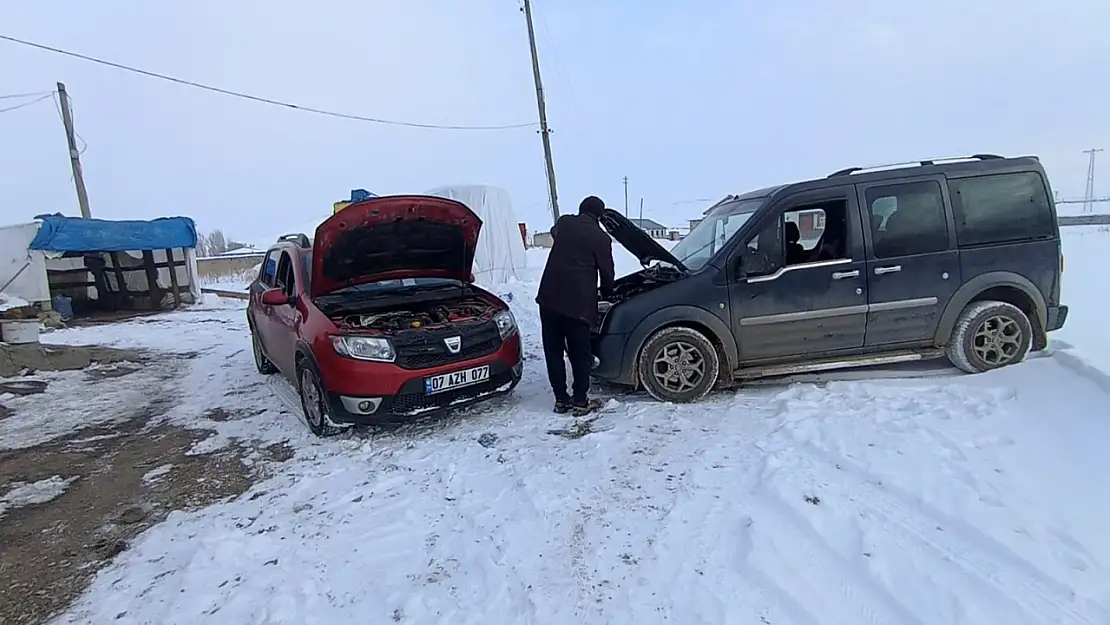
(690, 100)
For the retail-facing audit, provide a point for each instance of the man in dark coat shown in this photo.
(568, 296)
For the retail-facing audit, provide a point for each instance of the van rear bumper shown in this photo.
(1057, 315)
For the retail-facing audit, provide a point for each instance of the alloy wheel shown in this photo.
(997, 340)
(678, 367)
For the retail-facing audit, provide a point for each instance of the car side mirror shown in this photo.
(274, 297)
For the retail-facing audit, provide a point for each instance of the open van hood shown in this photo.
(635, 240)
(393, 237)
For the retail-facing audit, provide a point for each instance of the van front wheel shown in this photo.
(678, 365)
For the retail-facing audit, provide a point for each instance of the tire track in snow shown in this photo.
(985, 560)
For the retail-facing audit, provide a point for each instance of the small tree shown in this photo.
(216, 243)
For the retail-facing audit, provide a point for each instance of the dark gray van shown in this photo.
(956, 257)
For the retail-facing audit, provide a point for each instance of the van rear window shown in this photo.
(1001, 208)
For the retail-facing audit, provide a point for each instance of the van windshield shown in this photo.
(714, 232)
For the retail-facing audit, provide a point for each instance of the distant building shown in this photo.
(543, 239)
(654, 229)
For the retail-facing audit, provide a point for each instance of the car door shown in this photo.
(913, 265)
(261, 314)
(284, 319)
(794, 303)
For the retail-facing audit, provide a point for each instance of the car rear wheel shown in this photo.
(314, 402)
(265, 367)
(989, 335)
(678, 365)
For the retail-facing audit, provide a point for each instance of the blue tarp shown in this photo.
(73, 234)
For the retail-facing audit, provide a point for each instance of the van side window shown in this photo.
(907, 219)
(269, 269)
(1000, 207)
(805, 233)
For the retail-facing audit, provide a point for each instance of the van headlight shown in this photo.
(369, 348)
(506, 323)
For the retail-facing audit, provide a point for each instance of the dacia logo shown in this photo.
(453, 343)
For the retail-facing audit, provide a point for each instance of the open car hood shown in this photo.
(393, 237)
(635, 240)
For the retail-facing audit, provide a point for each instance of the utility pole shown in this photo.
(545, 132)
(1089, 194)
(74, 154)
(626, 196)
(641, 213)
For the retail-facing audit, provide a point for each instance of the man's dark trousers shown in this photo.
(560, 333)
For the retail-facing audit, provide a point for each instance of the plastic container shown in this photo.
(63, 305)
(19, 332)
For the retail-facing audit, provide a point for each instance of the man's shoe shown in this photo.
(562, 407)
(581, 410)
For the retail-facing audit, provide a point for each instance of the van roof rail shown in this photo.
(299, 238)
(922, 163)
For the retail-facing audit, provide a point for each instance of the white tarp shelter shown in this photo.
(22, 270)
(500, 255)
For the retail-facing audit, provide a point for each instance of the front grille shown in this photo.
(423, 350)
(405, 403)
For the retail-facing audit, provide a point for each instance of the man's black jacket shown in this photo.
(581, 252)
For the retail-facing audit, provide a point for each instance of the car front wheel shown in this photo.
(314, 402)
(678, 365)
(989, 335)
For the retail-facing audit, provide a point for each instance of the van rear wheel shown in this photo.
(989, 335)
(678, 365)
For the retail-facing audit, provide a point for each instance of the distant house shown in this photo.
(654, 229)
(543, 239)
(694, 223)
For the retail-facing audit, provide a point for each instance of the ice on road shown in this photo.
(943, 500)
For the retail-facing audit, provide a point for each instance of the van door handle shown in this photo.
(840, 275)
(892, 269)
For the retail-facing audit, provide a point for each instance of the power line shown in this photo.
(254, 98)
(13, 96)
(19, 106)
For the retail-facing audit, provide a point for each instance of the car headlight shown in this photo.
(506, 323)
(364, 348)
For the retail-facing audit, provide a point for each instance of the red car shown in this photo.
(378, 318)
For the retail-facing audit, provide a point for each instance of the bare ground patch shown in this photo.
(130, 474)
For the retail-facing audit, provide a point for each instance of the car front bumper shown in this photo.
(1057, 315)
(411, 401)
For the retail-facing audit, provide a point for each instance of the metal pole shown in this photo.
(545, 132)
(74, 153)
(641, 213)
(626, 196)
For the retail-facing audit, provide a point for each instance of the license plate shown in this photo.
(455, 379)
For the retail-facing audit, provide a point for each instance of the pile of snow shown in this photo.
(8, 302)
(24, 494)
(500, 255)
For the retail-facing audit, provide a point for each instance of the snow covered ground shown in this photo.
(951, 499)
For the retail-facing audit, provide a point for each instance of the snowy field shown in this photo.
(917, 501)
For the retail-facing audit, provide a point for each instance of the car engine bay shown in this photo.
(416, 317)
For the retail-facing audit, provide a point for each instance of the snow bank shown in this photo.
(1085, 338)
(24, 494)
(7, 302)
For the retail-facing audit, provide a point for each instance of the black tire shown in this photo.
(261, 362)
(989, 335)
(314, 402)
(696, 373)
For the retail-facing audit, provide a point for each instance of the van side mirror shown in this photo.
(274, 297)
